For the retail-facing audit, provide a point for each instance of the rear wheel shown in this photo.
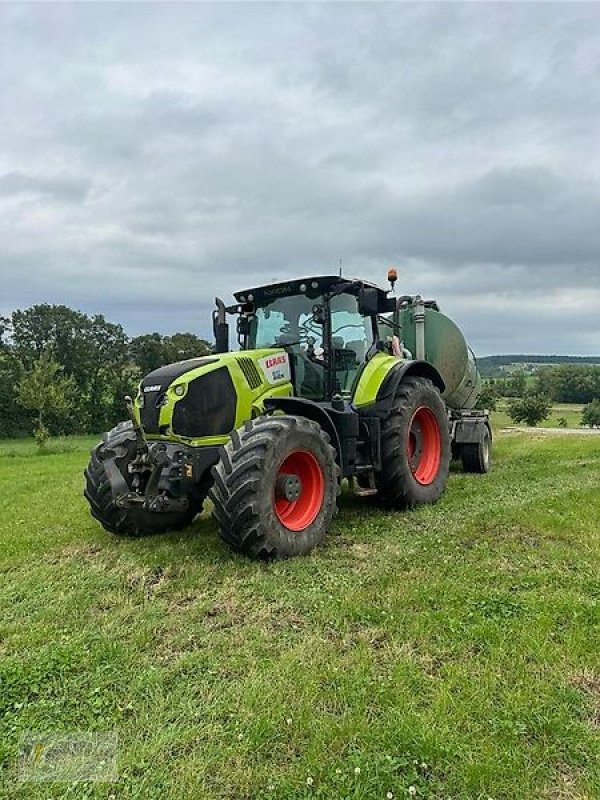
(275, 487)
(477, 457)
(415, 447)
(119, 446)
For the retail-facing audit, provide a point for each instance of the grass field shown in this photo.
(570, 412)
(450, 652)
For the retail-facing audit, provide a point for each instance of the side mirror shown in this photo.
(368, 301)
(221, 337)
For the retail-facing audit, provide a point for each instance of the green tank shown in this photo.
(430, 335)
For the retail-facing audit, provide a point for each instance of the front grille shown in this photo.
(160, 380)
(251, 374)
(208, 408)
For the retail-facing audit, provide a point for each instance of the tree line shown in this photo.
(67, 372)
(561, 383)
(531, 396)
(64, 372)
(492, 366)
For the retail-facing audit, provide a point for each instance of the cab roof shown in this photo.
(314, 286)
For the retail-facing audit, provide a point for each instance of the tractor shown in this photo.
(334, 379)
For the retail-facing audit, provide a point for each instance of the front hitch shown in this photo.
(152, 459)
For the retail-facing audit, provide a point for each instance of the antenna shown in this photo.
(340, 267)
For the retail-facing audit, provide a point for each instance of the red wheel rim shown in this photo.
(296, 515)
(424, 446)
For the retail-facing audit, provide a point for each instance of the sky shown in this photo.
(153, 156)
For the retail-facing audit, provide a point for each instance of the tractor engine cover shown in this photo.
(202, 399)
(207, 406)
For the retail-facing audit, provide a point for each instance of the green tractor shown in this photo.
(334, 379)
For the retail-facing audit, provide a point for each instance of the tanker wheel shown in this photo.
(120, 442)
(275, 487)
(415, 447)
(478, 457)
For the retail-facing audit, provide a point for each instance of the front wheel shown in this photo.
(415, 447)
(275, 487)
(116, 451)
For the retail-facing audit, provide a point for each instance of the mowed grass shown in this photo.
(454, 649)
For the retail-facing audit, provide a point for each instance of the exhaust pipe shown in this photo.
(220, 327)
(419, 318)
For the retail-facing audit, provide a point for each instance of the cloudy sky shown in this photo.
(154, 155)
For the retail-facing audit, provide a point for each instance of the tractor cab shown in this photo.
(327, 324)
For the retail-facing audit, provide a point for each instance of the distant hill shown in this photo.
(490, 366)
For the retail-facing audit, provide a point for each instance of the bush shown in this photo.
(591, 414)
(45, 390)
(531, 409)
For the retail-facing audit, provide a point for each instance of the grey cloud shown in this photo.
(70, 190)
(515, 216)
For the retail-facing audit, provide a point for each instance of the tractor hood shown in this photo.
(207, 398)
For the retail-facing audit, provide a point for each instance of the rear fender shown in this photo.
(471, 429)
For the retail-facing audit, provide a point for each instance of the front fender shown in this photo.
(296, 406)
(405, 369)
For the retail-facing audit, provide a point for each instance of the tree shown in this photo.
(14, 420)
(181, 346)
(151, 351)
(45, 390)
(4, 330)
(96, 354)
(146, 352)
(532, 408)
(570, 383)
(591, 414)
(517, 384)
(91, 350)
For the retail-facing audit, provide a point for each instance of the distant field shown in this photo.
(570, 412)
(454, 649)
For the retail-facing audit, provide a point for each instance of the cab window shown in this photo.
(351, 338)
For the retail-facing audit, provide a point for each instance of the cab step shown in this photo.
(358, 492)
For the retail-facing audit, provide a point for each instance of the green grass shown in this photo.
(11, 448)
(454, 649)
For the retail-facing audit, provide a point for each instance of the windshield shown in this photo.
(285, 321)
(290, 322)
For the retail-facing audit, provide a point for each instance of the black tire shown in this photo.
(127, 521)
(418, 419)
(478, 457)
(248, 510)
(456, 451)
